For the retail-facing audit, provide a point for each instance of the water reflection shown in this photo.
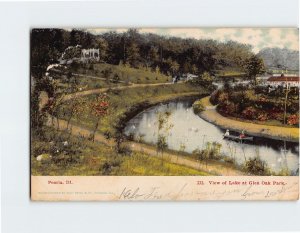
(193, 132)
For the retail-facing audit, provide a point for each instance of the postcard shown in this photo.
(164, 114)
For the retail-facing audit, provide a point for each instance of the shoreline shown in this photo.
(211, 115)
(213, 167)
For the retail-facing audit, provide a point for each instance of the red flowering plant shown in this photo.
(262, 116)
(276, 114)
(227, 108)
(293, 119)
(250, 113)
(99, 108)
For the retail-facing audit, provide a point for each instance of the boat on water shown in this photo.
(237, 138)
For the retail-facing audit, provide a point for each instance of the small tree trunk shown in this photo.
(57, 120)
(69, 121)
(95, 129)
(285, 104)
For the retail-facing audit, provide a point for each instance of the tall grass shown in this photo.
(83, 158)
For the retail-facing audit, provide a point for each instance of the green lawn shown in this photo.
(126, 74)
(126, 100)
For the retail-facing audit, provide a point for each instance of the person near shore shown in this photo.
(242, 135)
(227, 133)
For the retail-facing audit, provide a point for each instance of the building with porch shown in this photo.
(284, 81)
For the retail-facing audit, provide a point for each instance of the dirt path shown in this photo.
(95, 77)
(213, 168)
(274, 132)
(100, 90)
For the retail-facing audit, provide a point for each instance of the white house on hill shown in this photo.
(75, 53)
(89, 54)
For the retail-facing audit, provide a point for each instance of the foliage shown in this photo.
(198, 107)
(163, 128)
(293, 119)
(212, 151)
(256, 104)
(99, 108)
(249, 113)
(254, 66)
(169, 54)
(204, 79)
(256, 166)
(161, 143)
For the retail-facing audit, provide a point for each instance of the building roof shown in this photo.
(283, 79)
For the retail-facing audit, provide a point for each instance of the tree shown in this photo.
(204, 79)
(103, 48)
(163, 129)
(74, 108)
(132, 54)
(53, 107)
(254, 66)
(152, 56)
(174, 67)
(100, 109)
(201, 155)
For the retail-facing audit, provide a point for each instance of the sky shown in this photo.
(258, 38)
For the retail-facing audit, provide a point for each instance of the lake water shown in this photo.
(193, 132)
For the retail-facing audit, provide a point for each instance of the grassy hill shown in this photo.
(122, 73)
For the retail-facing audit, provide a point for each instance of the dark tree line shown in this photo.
(168, 54)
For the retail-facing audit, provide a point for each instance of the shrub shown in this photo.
(250, 113)
(256, 166)
(227, 108)
(124, 150)
(202, 155)
(284, 172)
(293, 119)
(198, 107)
(214, 97)
(215, 151)
(223, 97)
(262, 116)
(116, 78)
(107, 134)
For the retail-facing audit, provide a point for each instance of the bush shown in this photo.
(227, 108)
(293, 119)
(256, 166)
(107, 134)
(262, 116)
(250, 113)
(198, 107)
(124, 150)
(214, 97)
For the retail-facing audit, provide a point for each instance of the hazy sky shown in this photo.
(257, 37)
